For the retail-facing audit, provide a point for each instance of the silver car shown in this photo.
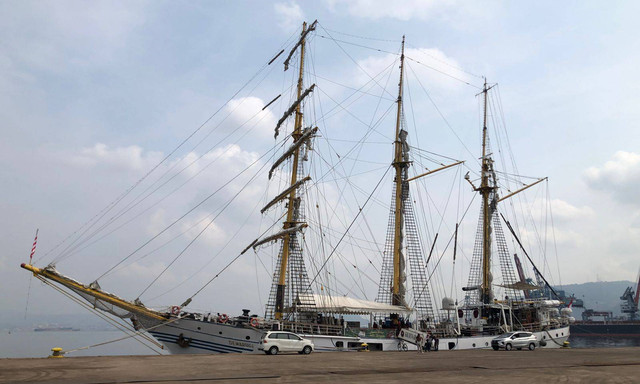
(517, 340)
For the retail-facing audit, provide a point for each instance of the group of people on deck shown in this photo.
(430, 343)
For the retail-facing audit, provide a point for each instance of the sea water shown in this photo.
(603, 342)
(38, 344)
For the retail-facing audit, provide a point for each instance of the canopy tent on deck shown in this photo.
(352, 306)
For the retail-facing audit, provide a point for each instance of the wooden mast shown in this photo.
(399, 164)
(486, 190)
(292, 214)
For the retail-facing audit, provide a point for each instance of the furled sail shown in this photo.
(279, 235)
(306, 135)
(285, 193)
(292, 108)
(312, 27)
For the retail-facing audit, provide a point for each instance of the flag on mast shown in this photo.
(33, 248)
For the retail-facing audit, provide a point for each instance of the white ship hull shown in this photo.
(189, 336)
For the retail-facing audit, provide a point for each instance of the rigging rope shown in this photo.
(122, 327)
(184, 215)
(205, 228)
(111, 205)
(350, 225)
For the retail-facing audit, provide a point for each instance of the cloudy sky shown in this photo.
(95, 94)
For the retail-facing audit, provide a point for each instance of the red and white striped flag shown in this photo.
(33, 249)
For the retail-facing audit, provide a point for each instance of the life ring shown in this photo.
(254, 322)
(175, 310)
(223, 318)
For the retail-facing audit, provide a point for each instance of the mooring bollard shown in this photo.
(56, 353)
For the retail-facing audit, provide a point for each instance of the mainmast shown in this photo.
(403, 254)
(399, 164)
(292, 206)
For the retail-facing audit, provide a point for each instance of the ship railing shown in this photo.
(312, 328)
(371, 333)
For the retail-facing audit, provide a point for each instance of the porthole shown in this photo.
(544, 337)
(562, 333)
(248, 337)
(474, 345)
(219, 333)
(199, 328)
(556, 335)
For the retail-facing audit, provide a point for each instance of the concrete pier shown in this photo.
(611, 365)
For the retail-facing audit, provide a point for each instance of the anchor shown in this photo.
(183, 342)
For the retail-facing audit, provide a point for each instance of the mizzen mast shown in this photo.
(488, 207)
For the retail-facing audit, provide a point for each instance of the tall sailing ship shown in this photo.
(304, 303)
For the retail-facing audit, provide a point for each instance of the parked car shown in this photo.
(278, 341)
(517, 340)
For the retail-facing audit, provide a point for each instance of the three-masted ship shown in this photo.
(394, 321)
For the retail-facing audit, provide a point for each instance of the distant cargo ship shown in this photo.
(609, 327)
(598, 328)
(50, 329)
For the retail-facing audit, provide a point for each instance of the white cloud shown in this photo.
(213, 235)
(620, 177)
(157, 222)
(141, 272)
(289, 14)
(378, 9)
(427, 64)
(447, 10)
(246, 112)
(58, 36)
(564, 211)
(131, 158)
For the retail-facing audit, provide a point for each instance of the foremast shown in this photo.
(292, 206)
(290, 280)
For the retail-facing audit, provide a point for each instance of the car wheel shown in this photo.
(306, 350)
(532, 346)
(496, 348)
(508, 347)
(273, 350)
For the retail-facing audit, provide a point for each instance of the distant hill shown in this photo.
(599, 296)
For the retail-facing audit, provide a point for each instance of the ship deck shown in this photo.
(620, 365)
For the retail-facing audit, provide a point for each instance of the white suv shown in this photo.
(517, 340)
(277, 341)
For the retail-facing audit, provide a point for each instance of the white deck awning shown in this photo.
(350, 305)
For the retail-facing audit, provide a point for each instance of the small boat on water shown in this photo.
(412, 298)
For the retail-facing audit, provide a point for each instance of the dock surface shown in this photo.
(598, 365)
